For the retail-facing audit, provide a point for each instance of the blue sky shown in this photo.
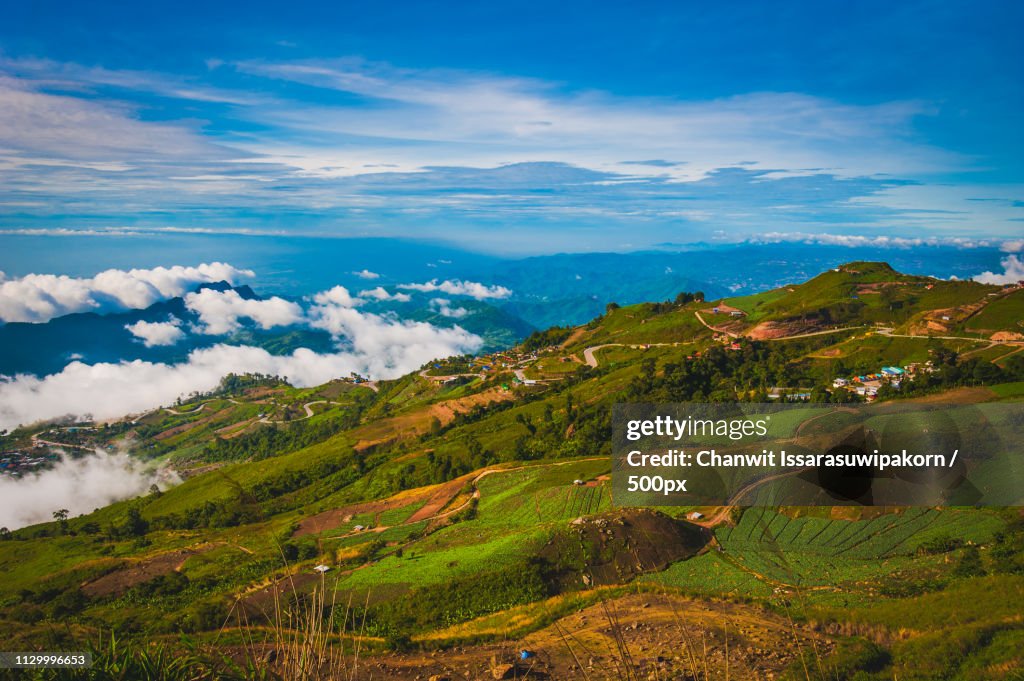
(515, 127)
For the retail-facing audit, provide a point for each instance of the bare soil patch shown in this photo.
(441, 498)
(119, 581)
(770, 330)
(957, 396)
(328, 520)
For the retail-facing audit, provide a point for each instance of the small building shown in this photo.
(577, 482)
(358, 528)
(839, 383)
(694, 515)
(321, 568)
(737, 313)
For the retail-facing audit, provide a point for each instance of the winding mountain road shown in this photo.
(888, 332)
(197, 409)
(448, 377)
(730, 334)
(307, 407)
(591, 359)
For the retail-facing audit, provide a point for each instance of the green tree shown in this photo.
(61, 516)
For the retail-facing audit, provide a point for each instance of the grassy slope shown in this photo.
(517, 511)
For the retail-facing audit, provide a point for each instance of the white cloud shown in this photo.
(42, 128)
(366, 274)
(83, 153)
(460, 288)
(1013, 271)
(373, 345)
(387, 342)
(862, 241)
(380, 293)
(481, 120)
(220, 311)
(1013, 246)
(74, 77)
(78, 485)
(41, 297)
(337, 296)
(444, 308)
(153, 334)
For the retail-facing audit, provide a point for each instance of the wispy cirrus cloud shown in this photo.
(351, 146)
(38, 127)
(76, 77)
(471, 119)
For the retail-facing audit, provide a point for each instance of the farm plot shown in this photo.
(709, 574)
(461, 550)
(539, 495)
(399, 533)
(817, 551)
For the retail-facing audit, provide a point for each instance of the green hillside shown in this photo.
(864, 293)
(470, 501)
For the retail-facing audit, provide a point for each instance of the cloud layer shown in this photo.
(78, 485)
(346, 145)
(379, 346)
(41, 297)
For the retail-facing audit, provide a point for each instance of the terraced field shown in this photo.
(811, 551)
